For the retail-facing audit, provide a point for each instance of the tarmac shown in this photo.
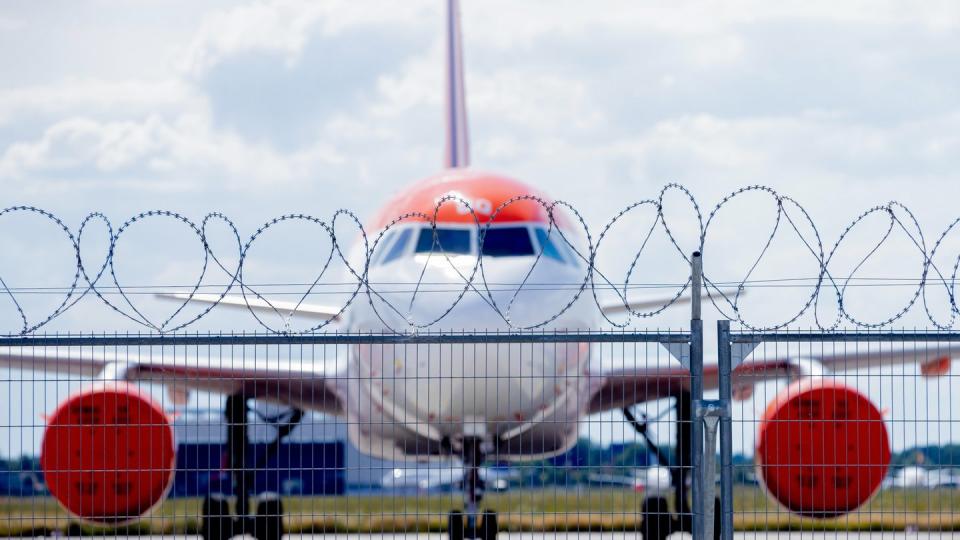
(607, 536)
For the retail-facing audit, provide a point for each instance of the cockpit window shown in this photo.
(572, 254)
(514, 241)
(506, 242)
(382, 247)
(547, 244)
(449, 241)
(399, 246)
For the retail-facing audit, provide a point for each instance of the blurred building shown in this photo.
(316, 458)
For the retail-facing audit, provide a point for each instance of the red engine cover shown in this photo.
(823, 449)
(108, 454)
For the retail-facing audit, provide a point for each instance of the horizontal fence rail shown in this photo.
(877, 336)
(433, 337)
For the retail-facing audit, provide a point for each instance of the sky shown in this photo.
(257, 109)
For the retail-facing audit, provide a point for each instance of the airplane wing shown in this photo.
(627, 386)
(252, 302)
(622, 306)
(302, 383)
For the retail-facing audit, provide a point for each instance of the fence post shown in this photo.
(696, 395)
(726, 433)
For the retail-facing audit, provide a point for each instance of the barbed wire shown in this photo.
(397, 303)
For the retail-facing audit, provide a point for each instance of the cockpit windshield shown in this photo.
(449, 241)
(502, 241)
(506, 242)
(550, 249)
(397, 249)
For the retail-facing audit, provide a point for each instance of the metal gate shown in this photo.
(860, 437)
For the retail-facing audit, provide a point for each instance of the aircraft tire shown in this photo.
(268, 523)
(716, 519)
(455, 525)
(489, 525)
(217, 523)
(656, 523)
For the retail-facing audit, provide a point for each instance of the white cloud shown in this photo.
(283, 27)
(8, 23)
(691, 92)
(101, 97)
(156, 150)
(544, 102)
(416, 83)
(510, 23)
(612, 118)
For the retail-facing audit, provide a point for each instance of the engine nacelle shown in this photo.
(108, 454)
(822, 448)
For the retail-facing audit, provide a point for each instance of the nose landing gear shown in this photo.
(471, 523)
(267, 524)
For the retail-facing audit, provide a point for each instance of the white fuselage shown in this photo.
(416, 401)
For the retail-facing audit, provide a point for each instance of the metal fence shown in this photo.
(475, 433)
(368, 433)
(472, 434)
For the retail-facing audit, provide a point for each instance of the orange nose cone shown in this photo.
(470, 197)
(108, 454)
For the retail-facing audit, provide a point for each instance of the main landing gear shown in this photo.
(657, 521)
(471, 523)
(267, 523)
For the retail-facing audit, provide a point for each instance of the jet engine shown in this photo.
(822, 448)
(108, 453)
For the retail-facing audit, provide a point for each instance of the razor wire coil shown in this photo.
(564, 223)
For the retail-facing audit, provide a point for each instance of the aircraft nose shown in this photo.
(501, 385)
(507, 293)
(436, 306)
(496, 307)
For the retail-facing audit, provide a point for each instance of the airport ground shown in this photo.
(549, 513)
(609, 536)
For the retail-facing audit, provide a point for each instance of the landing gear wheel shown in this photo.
(455, 525)
(716, 519)
(655, 513)
(217, 522)
(268, 523)
(488, 527)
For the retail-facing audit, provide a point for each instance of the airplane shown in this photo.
(445, 477)
(108, 451)
(652, 480)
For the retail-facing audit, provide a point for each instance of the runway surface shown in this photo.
(604, 536)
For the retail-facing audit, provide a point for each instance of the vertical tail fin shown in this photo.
(458, 142)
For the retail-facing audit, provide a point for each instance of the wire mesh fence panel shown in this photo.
(465, 434)
(845, 431)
